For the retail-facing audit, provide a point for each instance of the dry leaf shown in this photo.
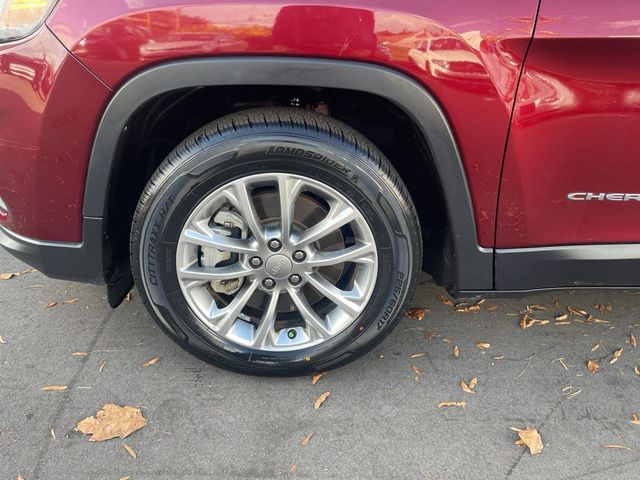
(101, 365)
(466, 388)
(560, 318)
(445, 300)
(130, 451)
(604, 308)
(7, 276)
(473, 382)
(2, 340)
(593, 366)
(530, 437)
(595, 347)
(466, 308)
(417, 355)
(526, 322)
(637, 369)
(492, 308)
(79, 354)
(616, 356)
(316, 378)
(483, 346)
(293, 468)
(452, 404)
(129, 296)
(70, 301)
(54, 388)
(150, 362)
(124, 478)
(305, 440)
(19, 477)
(321, 399)
(580, 313)
(621, 447)
(634, 419)
(456, 351)
(111, 422)
(415, 313)
(51, 304)
(632, 340)
(417, 370)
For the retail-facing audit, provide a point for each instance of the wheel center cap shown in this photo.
(278, 266)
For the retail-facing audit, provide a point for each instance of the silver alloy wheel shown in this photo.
(282, 284)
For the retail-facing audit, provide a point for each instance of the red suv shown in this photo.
(273, 177)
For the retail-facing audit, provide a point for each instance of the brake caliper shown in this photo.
(227, 224)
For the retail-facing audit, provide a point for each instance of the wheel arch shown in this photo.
(471, 266)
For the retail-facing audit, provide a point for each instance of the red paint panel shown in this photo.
(576, 128)
(467, 53)
(49, 108)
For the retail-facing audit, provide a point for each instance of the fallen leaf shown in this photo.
(124, 478)
(70, 301)
(466, 308)
(562, 323)
(580, 313)
(473, 382)
(637, 370)
(537, 308)
(79, 354)
(19, 477)
(54, 388)
(616, 356)
(632, 340)
(452, 404)
(530, 437)
(2, 340)
(415, 313)
(316, 378)
(293, 468)
(51, 304)
(445, 300)
(7, 276)
(621, 447)
(305, 440)
(634, 419)
(321, 399)
(483, 346)
(604, 308)
(417, 355)
(417, 370)
(595, 347)
(526, 322)
(53, 434)
(129, 296)
(492, 308)
(101, 365)
(456, 351)
(560, 318)
(111, 422)
(501, 357)
(466, 388)
(593, 366)
(150, 362)
(130, 451)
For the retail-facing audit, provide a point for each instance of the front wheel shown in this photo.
(276, 241)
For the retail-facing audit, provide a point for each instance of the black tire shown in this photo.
(237, 145)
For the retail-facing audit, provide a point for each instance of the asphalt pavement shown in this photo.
(381, 419)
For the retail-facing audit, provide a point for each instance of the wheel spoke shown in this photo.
(349, 301)
(359, 253)
(315, 324)
(224, 318)
(195, 273)
(266, 328)
(218, 242)
(288, 190)
(240, 195)
(339, 215)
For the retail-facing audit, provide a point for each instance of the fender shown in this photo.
(473, 264)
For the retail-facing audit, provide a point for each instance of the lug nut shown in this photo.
(268, 283)
(275, 245)
(299, 256)
(295, 279)
(255, 262)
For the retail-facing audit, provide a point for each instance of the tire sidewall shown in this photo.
(196, 175)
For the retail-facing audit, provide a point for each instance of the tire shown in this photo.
(314, 153)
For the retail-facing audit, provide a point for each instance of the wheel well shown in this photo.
(163, 122)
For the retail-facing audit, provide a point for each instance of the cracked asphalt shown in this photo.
(379, 422)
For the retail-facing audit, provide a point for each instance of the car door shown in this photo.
(572, 165)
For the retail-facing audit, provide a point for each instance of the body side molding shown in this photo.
(473, 264)
(571, 266)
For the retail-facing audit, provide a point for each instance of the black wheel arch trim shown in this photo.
(473, 265)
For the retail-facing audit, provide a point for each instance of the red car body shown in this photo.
(542, 99)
